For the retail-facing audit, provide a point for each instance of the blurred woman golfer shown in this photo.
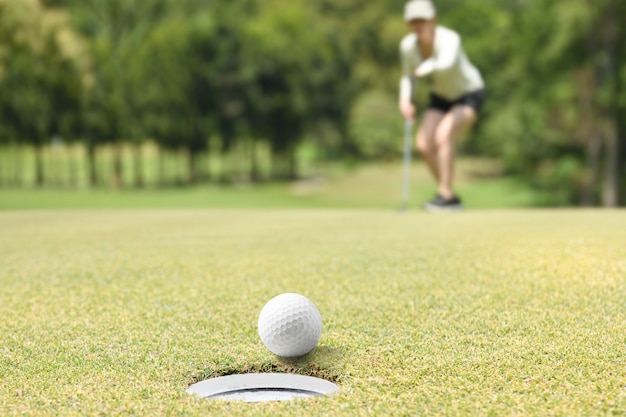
(434, 53)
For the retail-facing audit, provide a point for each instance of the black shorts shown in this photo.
(475, 100)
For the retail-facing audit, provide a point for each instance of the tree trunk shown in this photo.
(254, 163)
(161, 167)
(208, 176)
(275, 165)
(117, 166)
(192, 169)
(72, 166)
(39, 166)
(610, 193)
(18, 167)
(292, 173)
(55, 161)
(92, 174)
(225, 166)
(594, 148)
(621, 143)
(620, 108)
(621, 136)
(608, 74)
(5, 167)
(138, 166)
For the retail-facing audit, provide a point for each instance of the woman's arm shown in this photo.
(446, 56)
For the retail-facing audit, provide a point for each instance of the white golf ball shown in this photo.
(290, 325)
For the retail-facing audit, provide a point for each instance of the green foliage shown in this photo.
(40, 66)
(201, 76)
(374, 121)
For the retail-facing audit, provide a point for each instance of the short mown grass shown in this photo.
(510, 312)
(374, 186)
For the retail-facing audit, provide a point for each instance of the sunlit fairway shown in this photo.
(518, 312)
(369, 186)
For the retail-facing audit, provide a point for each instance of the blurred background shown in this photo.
(294, 103)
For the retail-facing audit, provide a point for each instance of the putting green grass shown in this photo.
(513, 312)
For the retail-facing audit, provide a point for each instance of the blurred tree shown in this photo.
(364, 38)
(374, 121)
(116, 29)
(176, 98)
(605, 55)
(278, 72)
(42, 74)
(299, 75)
(543, 124)
(275, 51)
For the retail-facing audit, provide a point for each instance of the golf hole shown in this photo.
(259, 387)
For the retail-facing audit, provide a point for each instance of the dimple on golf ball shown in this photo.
(290, 325)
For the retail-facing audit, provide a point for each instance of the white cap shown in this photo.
(419, 9)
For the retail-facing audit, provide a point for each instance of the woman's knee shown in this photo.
(443, 138)
(454, 124)
(425, 145)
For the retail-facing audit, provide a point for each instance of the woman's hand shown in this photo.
(425, 68)
(407, 109)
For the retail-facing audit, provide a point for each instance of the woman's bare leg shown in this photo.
(450, 126)
(426, 143)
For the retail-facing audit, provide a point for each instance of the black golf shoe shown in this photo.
(441, 204)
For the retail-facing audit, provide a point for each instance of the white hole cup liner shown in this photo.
(262, 387)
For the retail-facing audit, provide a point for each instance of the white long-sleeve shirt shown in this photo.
(450, 72)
